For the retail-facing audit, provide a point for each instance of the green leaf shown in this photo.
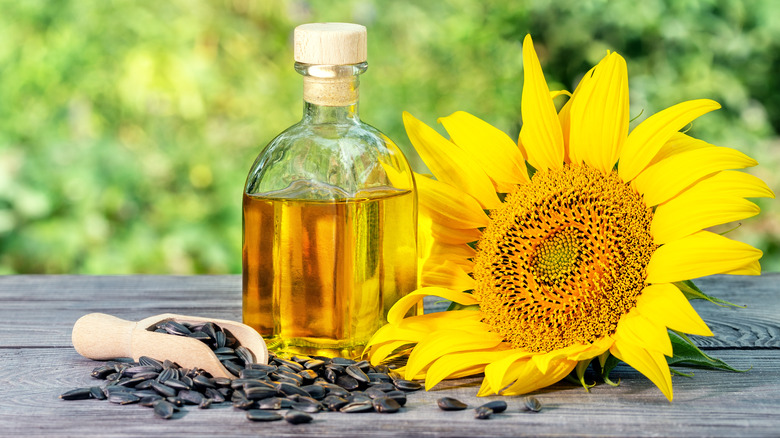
(692, 292)
(580, 370)
(686, 353)
(456, 306)
(604, 366)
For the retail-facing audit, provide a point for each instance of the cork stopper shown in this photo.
(330, 43)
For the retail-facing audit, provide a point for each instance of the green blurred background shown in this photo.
(127, 127)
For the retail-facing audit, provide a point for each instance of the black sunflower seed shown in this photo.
(355, 407)
(483, 413)
(386, 405)
(497, 406)
(260, 415)
(77, 394)
(532, 404)
(294, 417)
(407, 385)
(451, 404)
(357, 374)
(398, 396)
(123, 398)
(164, 409)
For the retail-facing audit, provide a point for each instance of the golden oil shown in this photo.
(320, 275)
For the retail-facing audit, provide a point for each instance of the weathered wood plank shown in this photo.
(710, 404)
(40, 310)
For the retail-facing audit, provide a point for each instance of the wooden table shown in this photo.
(37, 363)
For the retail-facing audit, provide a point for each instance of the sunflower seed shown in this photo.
(497, 406)
(150, 400)
(294, 417)
(483, 413)
(245, 355)
(260, 415)
(398, 396)
(375, 393)
(407, 385)
(97, 393)
(271, 404)
(314, 364)
(123, 398)
(334, 403)
(77, 394)
(163, 389)
(386, 405)
(191, 397)
(164, 409)
(532, 404)
(289, 389)
(360, 406)
(176, 401)
(450, 404)
(306, 407)
(348, 382)
(150, 362)
(357, 374)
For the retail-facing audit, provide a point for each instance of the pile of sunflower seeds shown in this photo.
(233, 356)
(301, 385)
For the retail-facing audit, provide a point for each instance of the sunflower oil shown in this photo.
(320, 275)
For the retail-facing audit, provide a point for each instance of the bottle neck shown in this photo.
(320, 114)
(330, 92)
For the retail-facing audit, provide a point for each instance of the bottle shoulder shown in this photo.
(350, 157)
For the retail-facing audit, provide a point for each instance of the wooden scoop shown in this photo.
(99, 336)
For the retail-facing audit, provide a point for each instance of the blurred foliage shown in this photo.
(127, 127)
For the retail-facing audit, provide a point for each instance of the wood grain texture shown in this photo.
(37, 363)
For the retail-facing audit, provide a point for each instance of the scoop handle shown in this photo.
(99, 336)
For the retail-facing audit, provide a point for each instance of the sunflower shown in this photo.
(569, 245)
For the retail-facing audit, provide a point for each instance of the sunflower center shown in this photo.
(563, 259)
(557, 256)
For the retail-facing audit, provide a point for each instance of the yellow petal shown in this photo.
(665, 304)
(676, 144)
(489, 147)
(448, 275)
(380, 352)
(446, 234)
(565, 117)
(698, 255)
(451, 365)
(399, 309)
(449, 163)
(752, 268)
(595, 349)
(497, 373)
(448, 205)
(414, 328)
(665, 179)
(532, 379)
(543, 361)
(647, 138)
(541, 134)
(599, 115)
(692, 212)
(650, 363)
(448, 341)
(440, 253)
(732, 183)
(644, 332)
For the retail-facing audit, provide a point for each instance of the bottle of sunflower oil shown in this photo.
(329, 212)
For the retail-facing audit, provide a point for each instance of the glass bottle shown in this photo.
(329, 212)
